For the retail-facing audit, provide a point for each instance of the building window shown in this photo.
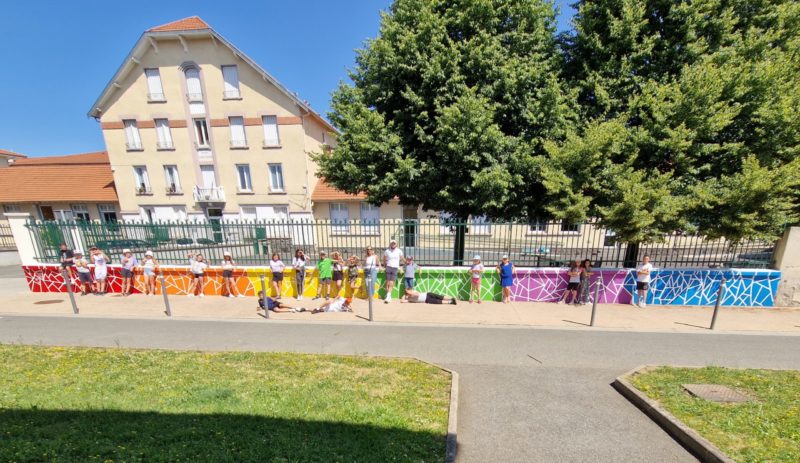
(271, 138)
(238, 137)
(201, 133)
(108, 213)
(370, 218)
(276, 177)
(340, 218)
(80, 212)
(570, 227)
(11, 208)
(142, 180)
(164, 134)
(132, 140)
(243, 174)
(194, 91)
(537, 226)
(155, 91)
(173, 181)
(230, 74)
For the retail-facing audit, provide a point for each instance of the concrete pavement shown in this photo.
(527, 394)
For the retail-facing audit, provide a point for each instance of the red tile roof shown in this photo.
(80, 178)
(11, 154)
(186, 24)
(324, 192)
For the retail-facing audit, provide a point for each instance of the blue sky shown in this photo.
(58, 55)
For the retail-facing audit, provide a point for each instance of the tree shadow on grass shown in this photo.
(106, 435)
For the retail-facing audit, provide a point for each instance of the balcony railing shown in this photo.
(165, 145)
(231, 95)
(209, 195)
(194, 97)
(133, 146)
(143, 190)
(238, 144)
(156, 97)
(174, 190)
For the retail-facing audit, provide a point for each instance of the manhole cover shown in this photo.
(49, 301)
(716, 393)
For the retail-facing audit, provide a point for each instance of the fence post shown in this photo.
(264, 291)
(68, 282)
(370, 293)
(719, 302)
(166, 297)
(594, 300)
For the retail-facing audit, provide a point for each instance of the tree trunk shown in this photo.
(458, 244)
(631, 255)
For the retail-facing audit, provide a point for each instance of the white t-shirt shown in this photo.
(644, 277)
(575, 278)
(371, 262)
(277, 266)
(477, 270)
(336, 305)
(227, 265)
(393, 257)
(198, 267)
(299, 264)
(419, 298)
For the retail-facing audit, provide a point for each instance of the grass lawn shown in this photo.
(764, 430)
(82, 404)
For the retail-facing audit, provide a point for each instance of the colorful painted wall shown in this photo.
(747, 288)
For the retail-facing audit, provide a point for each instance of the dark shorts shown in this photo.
(66, 264)
(572, 286)
(271, 305)
(410, 282)
(199, 275)
(391, 273)
(325, 281)
(338, 275)
(126, 273)
(432, 298)
(277, 276)
(227, 274)
(642, 286)
(85, 277)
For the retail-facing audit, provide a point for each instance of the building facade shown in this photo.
(196, 130)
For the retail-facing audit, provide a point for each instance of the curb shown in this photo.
(451, 448)
(686, 436)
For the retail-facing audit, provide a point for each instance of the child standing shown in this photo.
(574, 274)
(476, 272)
(100, 270)
(228, 266)
(371, 267)
(586, 275)
(338, 273)
(198, 268)
(150, 268)
(506, 270)
(325, 269)
(643, 281)
(277, 266)
(84, 273)
(299, 265)
(352, 274)
(409, 274)
(129, 263)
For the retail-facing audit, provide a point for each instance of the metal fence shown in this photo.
(430, 241)
(6, 238)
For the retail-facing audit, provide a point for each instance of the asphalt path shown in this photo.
(526, 394)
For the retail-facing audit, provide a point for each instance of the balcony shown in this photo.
(174, 190)
(156, 98)
(231, 95)
(165, 146)
(134, 146)
(194, 97)
(143, 190)
(209, 195)
(238, 144)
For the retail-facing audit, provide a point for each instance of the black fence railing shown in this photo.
(430, 241)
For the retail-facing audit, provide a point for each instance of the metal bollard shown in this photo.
(68, 282)
(264, 291)
(720, 293)
(594, 300)
(370, 293)
(166, 297)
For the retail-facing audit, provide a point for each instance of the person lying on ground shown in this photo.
(339, 304)
(427, 298)
(269, 303)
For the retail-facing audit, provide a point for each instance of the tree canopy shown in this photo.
(651, 115)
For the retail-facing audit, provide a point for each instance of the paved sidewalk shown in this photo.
(615, 316)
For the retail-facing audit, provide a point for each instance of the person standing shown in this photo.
(410, 273)
(338, 273)
(84, 273)
(197, 267)
(100, 270)
(228, 269)
(476, 271)
(371, 267)
(150, 268)
(506, 270)
(129, 263)
(277, 267)
(299, 266)
(352, 274)
(574, 283)
(643, 281)
(586, 275)
(391, 261)
(67, 257)
(325, 269)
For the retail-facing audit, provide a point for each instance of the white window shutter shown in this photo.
(271, 131)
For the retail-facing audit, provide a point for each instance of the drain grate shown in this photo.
(716, 393)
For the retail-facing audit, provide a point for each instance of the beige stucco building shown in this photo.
(195, 129)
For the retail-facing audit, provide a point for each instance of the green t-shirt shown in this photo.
(325, 267)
